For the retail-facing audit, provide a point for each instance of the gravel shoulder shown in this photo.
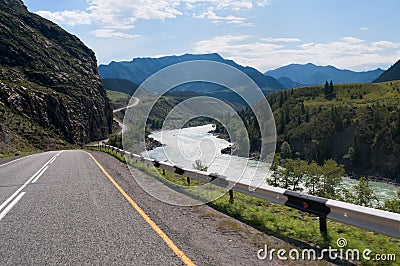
(205, 235)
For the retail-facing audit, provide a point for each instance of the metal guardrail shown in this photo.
(379, 221)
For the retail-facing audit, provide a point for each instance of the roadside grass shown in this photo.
(293, 226)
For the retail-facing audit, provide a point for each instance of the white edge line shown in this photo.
(39, 175)
(23, 186)
(16, 160)
(12, 204)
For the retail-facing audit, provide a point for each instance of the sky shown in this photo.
(349, 34)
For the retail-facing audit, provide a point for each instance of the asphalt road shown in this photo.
(136, 101)
(61, 208)
(71, 214)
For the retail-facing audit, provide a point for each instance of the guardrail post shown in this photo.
(231, 198)
(188, 180)
(323, 228)
(163, 171)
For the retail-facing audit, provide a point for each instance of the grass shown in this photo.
(293, 226)
(118, 99)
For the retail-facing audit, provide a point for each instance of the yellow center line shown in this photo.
(185, 259)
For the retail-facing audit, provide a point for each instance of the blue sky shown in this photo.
(265, 34)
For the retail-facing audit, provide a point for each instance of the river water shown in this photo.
(183, 147)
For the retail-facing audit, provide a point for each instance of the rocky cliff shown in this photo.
(50, 77)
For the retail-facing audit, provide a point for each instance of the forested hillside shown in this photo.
(357, 125)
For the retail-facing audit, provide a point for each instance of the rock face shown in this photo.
(50, 76)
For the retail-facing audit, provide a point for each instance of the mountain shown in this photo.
(139, 69)
(288, 83)
(49, 85)
(310, 74)
(121, 85)
(393, 73)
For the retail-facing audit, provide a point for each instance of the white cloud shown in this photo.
(364, 28)
(117, 15)
(268, 53)
(70, 18)
(284, 40)
(109, 33)
(351, 40)
(210, 14)
(263, 3)
(122, 14)
(234, 5)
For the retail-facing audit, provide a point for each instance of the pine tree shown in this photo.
(331, 88)
(287, 115)
(282, 123)
(307, 116)
(326, 88)
(286, 151)
(281, 100)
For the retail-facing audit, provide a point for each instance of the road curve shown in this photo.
(136, 102)
(68, 212)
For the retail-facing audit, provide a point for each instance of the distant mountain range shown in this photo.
(393, 73)
(139, 69)
(286, 77)
(310, 74)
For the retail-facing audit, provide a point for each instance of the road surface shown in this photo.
(67, 208)
(69, 213)
(120, 124)
(136, 101)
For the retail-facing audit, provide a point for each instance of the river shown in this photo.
(184, 146)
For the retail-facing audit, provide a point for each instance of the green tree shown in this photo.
(116, 141)
(326, 88)
(286, 151)
(314, 175)
(281, 100)
(273, 181)
(331, 88)
(282, 123)
(392, 205)
(350, 154)
(364, 195)
(332, 177)
(290, 175)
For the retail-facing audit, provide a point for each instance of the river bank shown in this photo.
(183, 146)
(231, 150)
